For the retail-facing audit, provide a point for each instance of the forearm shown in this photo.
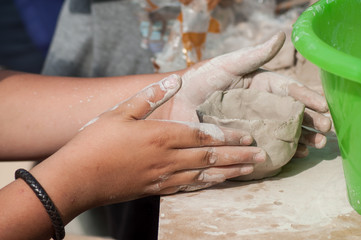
(41, 113)
(121, 157)
(22, 216)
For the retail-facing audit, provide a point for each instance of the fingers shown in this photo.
(284, 86)
(192, 134)
(312, 139)
(185, 188)
(146, 101)
(310, 98)
(209, 167)
(248, 60)
(317, 121)
(197, 179)
(302, 151)
(217, 156)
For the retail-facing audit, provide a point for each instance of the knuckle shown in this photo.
(209, 157)
(198, 176)
(202, 137)
(158, 185)
(161, 140)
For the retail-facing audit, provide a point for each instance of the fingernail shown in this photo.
(320, 143)
(247, 169)
(171, 82)
(246, 140)
(325, 124)
(260, 157)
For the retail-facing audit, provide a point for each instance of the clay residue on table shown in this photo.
(308, 200)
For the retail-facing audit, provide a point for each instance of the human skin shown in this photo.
(122, 156)
(42, 115)
(241, 69)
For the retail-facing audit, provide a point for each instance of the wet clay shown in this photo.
(273, 121)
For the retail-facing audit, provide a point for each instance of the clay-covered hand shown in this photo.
(121, 155)
(241, 69)
(315, 105)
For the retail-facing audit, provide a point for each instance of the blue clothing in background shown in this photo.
(39, 18)
(26, 29)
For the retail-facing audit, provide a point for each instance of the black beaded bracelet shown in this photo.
(45, 200)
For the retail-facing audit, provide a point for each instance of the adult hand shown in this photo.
(121, 155)
(241, 69)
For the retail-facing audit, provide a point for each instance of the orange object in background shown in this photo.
(193, 29)
(211, 3)
(152, 6)
(196, 40)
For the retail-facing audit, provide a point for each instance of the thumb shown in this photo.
(247, 60)
(142, 104)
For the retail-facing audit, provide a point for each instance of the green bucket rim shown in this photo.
(317, 51)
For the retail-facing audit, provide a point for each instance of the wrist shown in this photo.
(64, 186)
(41, 194)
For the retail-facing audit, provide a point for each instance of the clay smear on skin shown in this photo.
(218, 73)
(206, 128)
(89, 123)
(149, 92)
(207, 178)
(212, 178)
(191, 188)
(169, 92)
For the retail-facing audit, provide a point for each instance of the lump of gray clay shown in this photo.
(273, 121)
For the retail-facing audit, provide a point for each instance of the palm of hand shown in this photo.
(220, 73)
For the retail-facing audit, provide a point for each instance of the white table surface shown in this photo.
(307, 200)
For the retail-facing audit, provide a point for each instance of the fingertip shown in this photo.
(322, 106)
(168, 85)
(260, 157)
(280, 36)
(246, 140)
(321, 141)
(325, 125)
(247, 60)
(142, 104)
(172, 82)
(270, 48)
(276, 42)
(302, 151)
(247, 169)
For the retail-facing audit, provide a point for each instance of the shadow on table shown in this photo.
(297, 165)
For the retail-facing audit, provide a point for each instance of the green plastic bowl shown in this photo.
(328, 34)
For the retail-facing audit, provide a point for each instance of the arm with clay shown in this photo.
(104, 163)
(39, 114)
(123, 155)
